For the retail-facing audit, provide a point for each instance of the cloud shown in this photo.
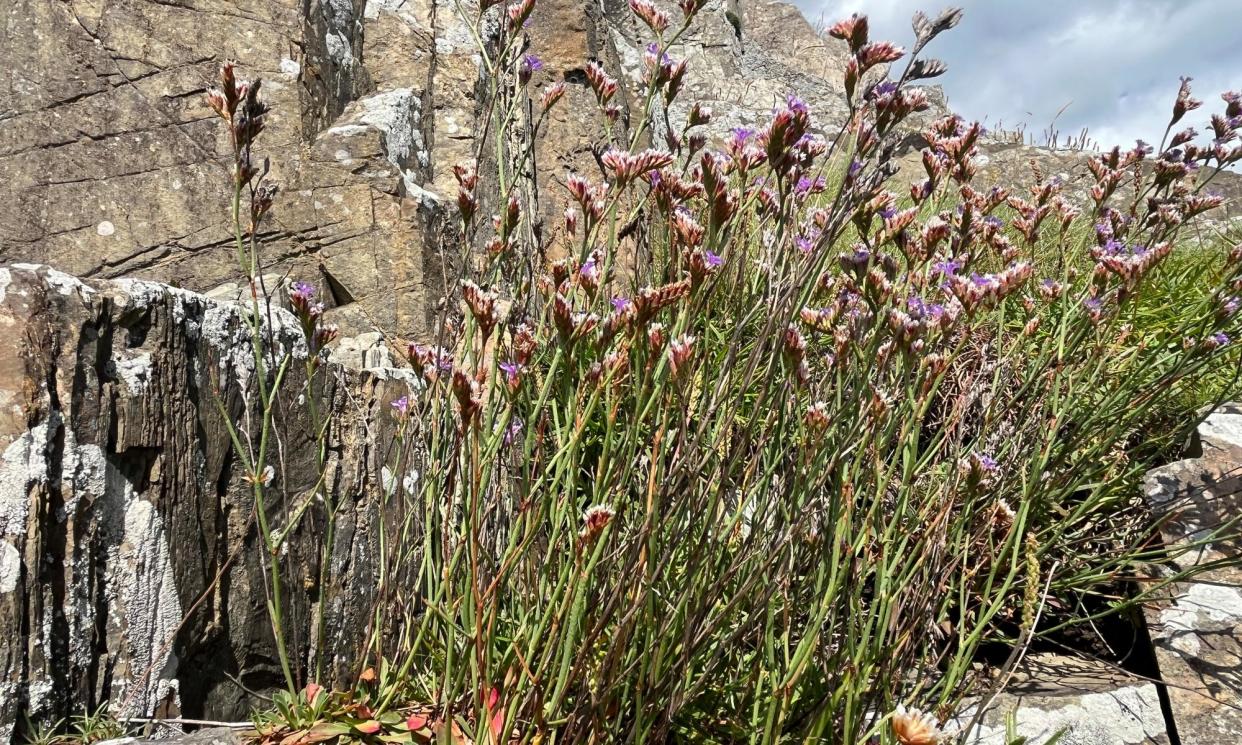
(1110, 66)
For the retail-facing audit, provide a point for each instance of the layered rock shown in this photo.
(1197, 629)
(1078, 701)
(113, 165)
(130, 565)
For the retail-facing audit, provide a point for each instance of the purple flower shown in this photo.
(1220, 338)
(796, 105)
(1092, 303)
(987, 462)
(804, 185)
(741, 135)
(653, 49)
(982, 280)
(855, 167)
(714, 260)
(805, 245)
(888, 213)
(923, 309)
(303, 289)
(994, 222)
(529, 66)
(401, 406)
(620, 304)
(948, 268)
(1231, 306)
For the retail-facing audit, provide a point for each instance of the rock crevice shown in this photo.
(130, 569)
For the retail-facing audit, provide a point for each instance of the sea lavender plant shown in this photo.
(784, 482)
(238, 104)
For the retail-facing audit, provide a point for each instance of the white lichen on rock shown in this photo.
(64, 284)
(151, 611)
(396, 114)
(223, 325)
(23, 464)
(135, 371)
(1123, 716)
(339, 15)
(1202, 608)
(10, 567)
(139, 294)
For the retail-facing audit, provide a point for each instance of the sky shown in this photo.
(1112, 65)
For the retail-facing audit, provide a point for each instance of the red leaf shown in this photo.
(498, 723)
(369, 727)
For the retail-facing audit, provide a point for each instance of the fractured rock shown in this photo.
(130, 565)
(1083, 702)
(1197, 628)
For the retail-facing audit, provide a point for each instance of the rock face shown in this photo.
(1197, 630)
(1086, 703)
(112, 165)
(130, 568)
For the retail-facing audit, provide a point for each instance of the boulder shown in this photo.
(1084, 702)
(131, 571)
(1196, 627)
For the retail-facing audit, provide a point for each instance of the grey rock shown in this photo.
(130, 569)
(1085, 703)
(1196, 626)
(169, 735)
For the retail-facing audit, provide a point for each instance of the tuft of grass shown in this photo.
(83, 729)
(96, 726)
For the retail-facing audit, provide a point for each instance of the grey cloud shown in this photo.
(1113, 64)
